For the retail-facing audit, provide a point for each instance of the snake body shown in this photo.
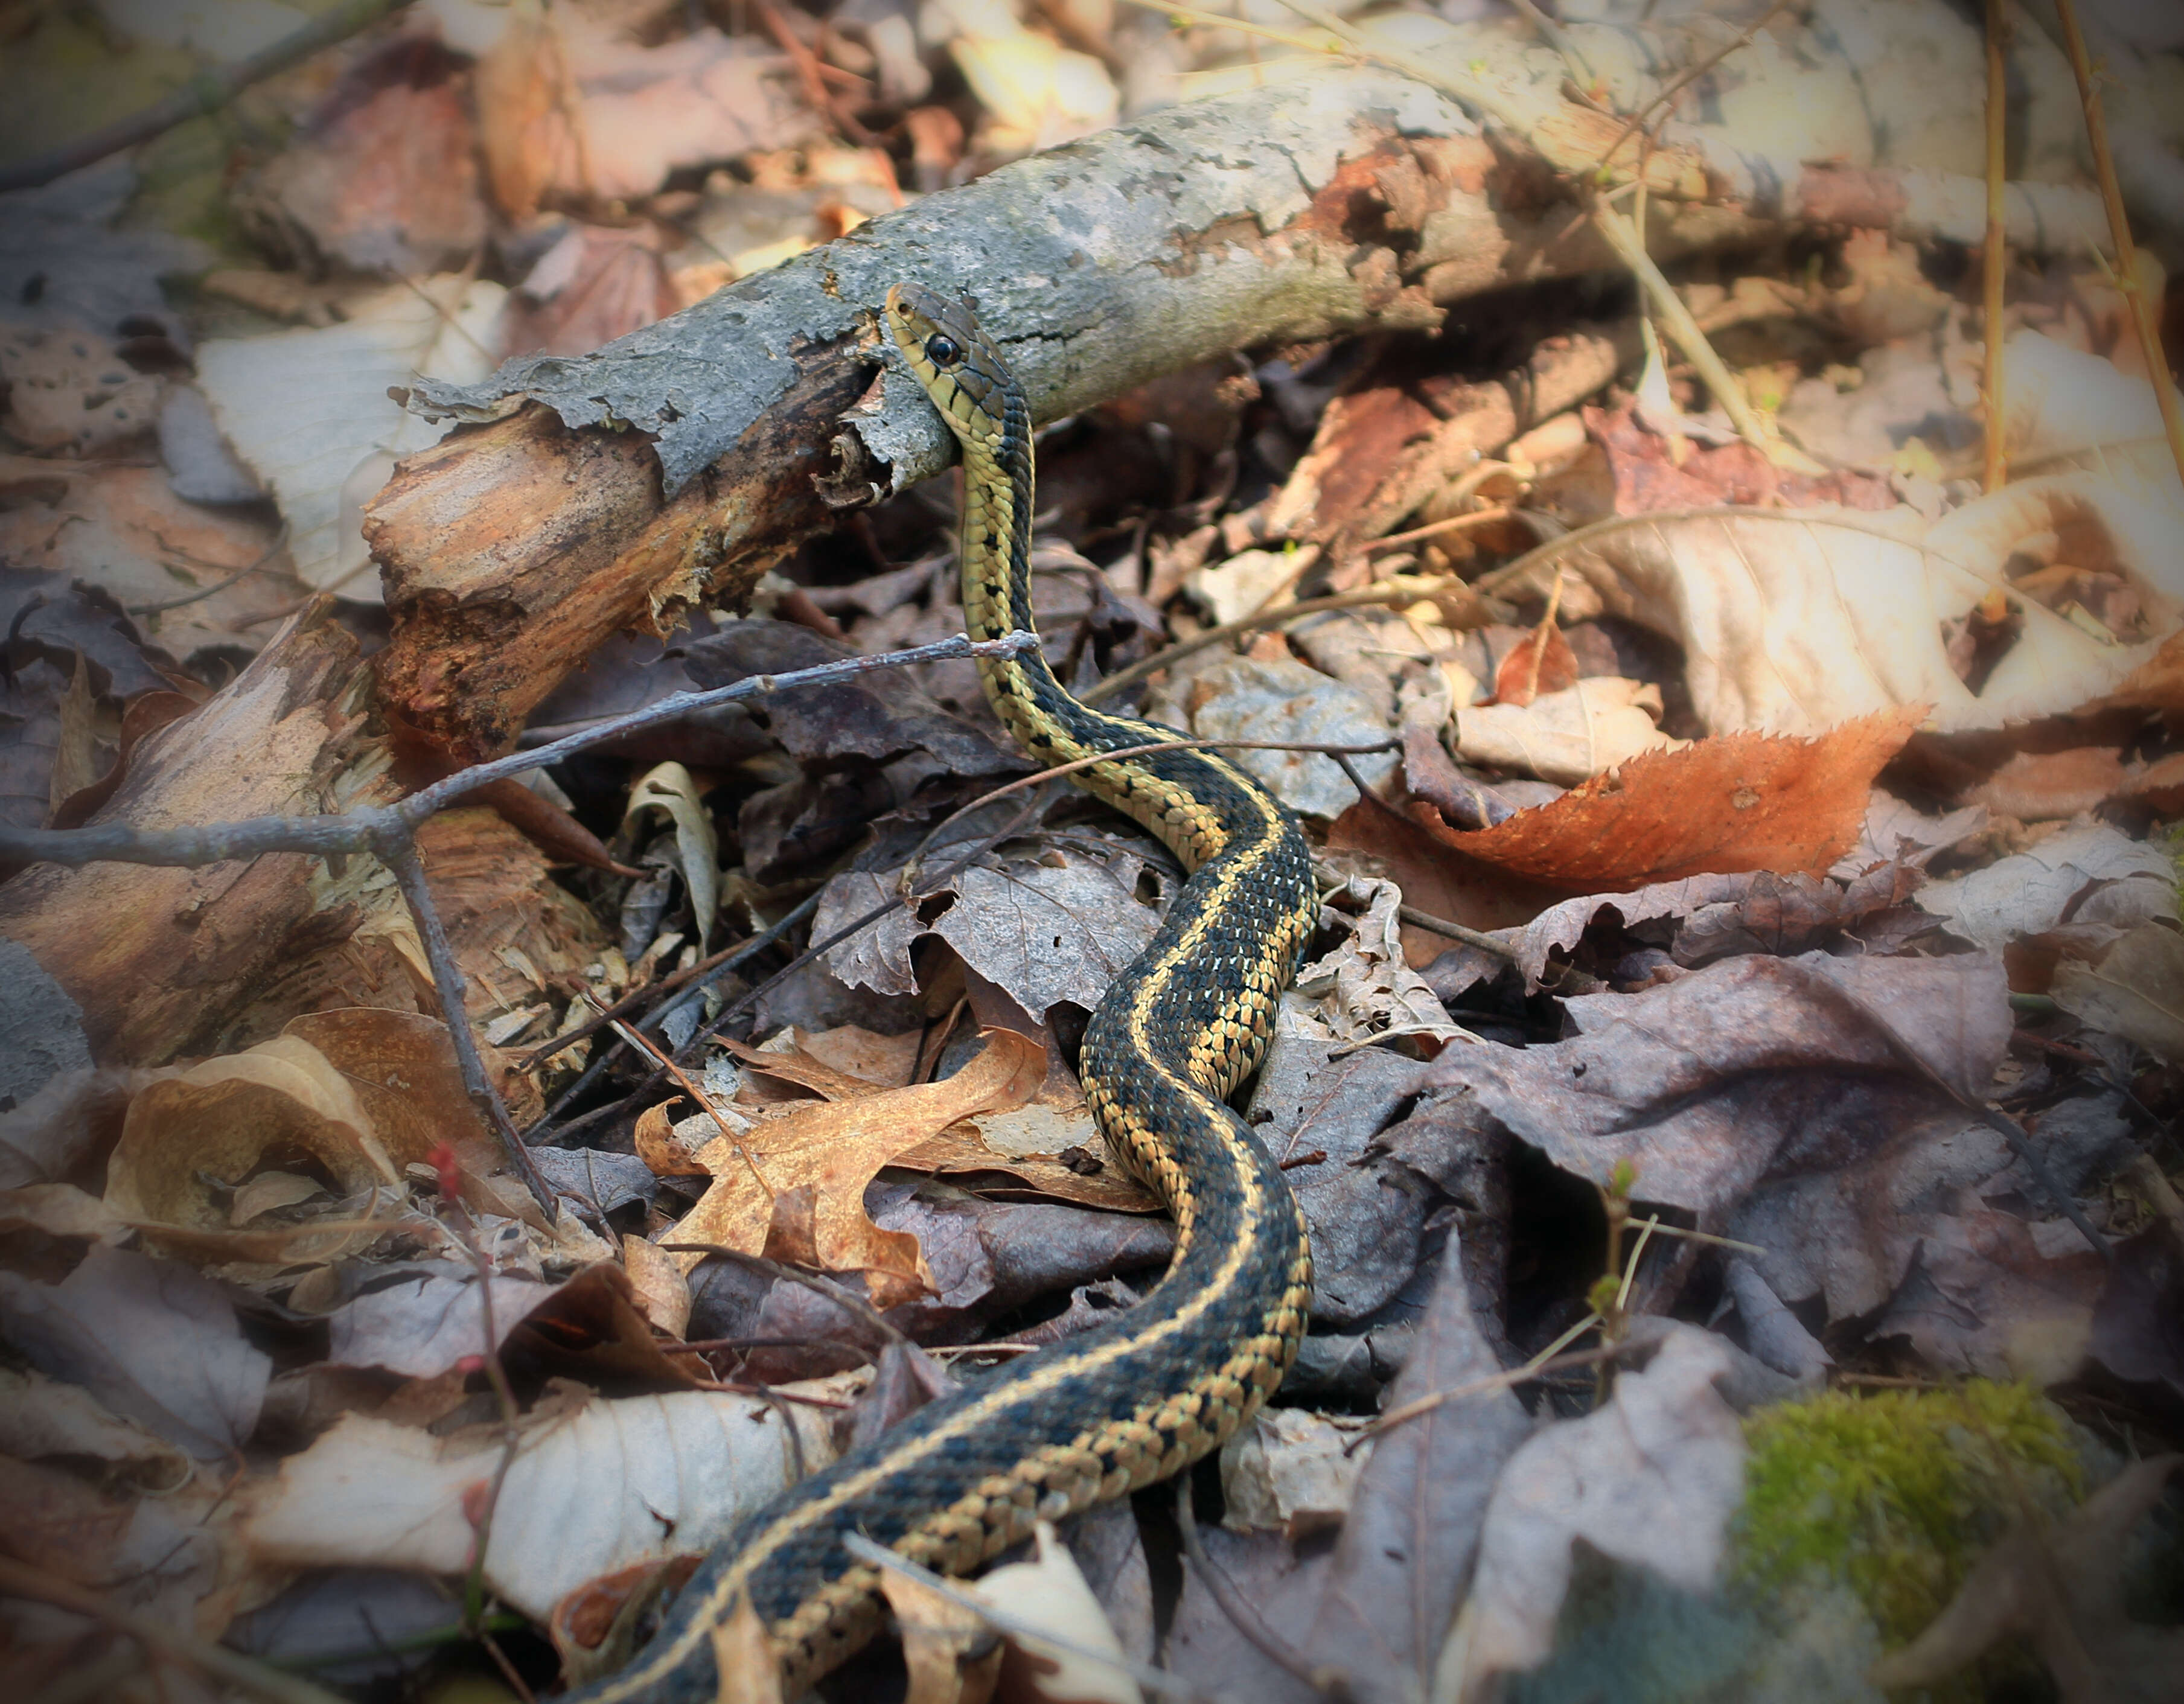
(1131, 1402)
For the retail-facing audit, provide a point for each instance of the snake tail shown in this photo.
(1139, 1399)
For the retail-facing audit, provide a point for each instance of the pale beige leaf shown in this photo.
(1364, 990)
(1049, 1592)
(952, 1657)
(589, 1490)
(1288, 1470)
(2031, 891)
(1652, 1479)
(1797, 621)
(1568, 736)
(306, 409)
(2137, 991)
(662, 1293)
(667, 787)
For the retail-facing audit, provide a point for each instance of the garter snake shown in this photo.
(1133, 1401)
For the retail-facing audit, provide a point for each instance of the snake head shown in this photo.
(956, 362)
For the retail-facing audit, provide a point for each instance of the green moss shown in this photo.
(1896, 1494)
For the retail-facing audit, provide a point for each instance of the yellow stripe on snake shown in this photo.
(1130, 1403)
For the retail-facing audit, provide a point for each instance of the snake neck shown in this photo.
(998, 502)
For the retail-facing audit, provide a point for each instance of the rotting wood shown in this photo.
(164, 961)
(1348, 200)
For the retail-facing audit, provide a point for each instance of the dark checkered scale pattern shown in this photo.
(1135, 1401)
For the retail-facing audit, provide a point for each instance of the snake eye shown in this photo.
(943, 350)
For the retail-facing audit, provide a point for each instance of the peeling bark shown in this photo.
(1344, 201)
(163, 961)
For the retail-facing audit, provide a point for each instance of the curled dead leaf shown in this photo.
(832, 1148)
(1742, 801)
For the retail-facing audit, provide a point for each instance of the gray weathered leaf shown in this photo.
(151, 1339)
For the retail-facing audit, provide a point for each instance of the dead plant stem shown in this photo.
(205, 93)
(174, 1643)
(1995, 263)
(2128, 277)
(1175, 652)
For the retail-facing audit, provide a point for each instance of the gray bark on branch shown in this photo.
(673, 466)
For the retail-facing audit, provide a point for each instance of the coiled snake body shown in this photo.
(1130, 1403)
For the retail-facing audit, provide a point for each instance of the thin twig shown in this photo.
(158, 1635)
(1995, 263)
(496, 1375)
(365, 829)
(810, 71)
(1457, 932)
(1624, 237)
(400, 856)
(1243, 1614)
(1488, 1385)
(877, 1555)
(280, 543)
(840, 1295)
(1684, 79)
(2128, 278)
(207, 92)
(1455, 523)
(1174, 653)
(709, 968)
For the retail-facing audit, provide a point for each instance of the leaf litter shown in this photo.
(1749, 963)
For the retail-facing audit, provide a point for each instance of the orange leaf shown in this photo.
(833, 1149)
(1739, 801)
(1542, 662)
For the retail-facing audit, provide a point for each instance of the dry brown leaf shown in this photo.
(1987, 1293)
(746, 1668)
(1434, 877)
(2137, 990)
(1049, 1592)
(792, 1064)
(663, 1147)
(427, 1322)
(662, 1293)
(1652, 1479)
(1566, 736)
(218, 1122)
(958, 1154)
(1752, 1067)
(401, 1067)
(1744, 801)
(1399, 1569)
(152, 1339)
(2044, 786)
(1294, 1470)
(118, 525)
(1795, 622)
(597, 283)
(592, 1330)
(383, 176)
(952, 1657)
(885, 1059)
(1541, 664)
(2062, 1590)
(832, 1148)
(591, 1488)
(567, 104)
(365, 1093)
(1364, 989)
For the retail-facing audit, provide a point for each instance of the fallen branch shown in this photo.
(203, 94)
(389, 832)
(672, 467)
